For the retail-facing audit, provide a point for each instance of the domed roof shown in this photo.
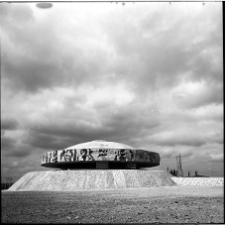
(100, 144)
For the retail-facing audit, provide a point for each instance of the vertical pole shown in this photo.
(178, 170)
(179, 166)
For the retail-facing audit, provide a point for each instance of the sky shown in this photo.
(145, 74)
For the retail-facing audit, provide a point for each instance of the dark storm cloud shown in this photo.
(7, 143)
(102, 122)
(9, 124)
(31, 77)
(36, 139)
(11, 147)
(62, 137)
(28, 64)
(18, 152)
(56, 136)
(47, 68)
(151, 51)
(37, 56)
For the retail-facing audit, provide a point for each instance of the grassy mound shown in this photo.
(74, 180)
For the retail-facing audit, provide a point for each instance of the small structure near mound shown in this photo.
(95, 165)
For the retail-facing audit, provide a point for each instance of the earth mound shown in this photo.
(75, 180)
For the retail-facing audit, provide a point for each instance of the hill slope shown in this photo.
(73, 180)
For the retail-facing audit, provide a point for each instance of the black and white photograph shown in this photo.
(112, 112)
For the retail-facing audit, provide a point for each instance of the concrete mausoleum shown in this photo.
(95, 165)
(100, 155)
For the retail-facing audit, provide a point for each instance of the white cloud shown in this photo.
(146, 74)
(196, 94)
(217, 157)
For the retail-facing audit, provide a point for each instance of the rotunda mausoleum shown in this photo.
(100, 155)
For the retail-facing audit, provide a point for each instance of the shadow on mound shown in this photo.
(75, 180)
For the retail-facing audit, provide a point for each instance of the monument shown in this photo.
(100, 155)
(95, 165)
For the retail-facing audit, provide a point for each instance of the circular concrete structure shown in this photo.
(100, 155)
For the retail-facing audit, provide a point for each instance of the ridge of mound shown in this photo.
(75, 180)
(199, 181)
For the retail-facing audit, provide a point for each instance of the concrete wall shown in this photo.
(122, 155)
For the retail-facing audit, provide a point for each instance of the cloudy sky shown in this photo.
(147, 75)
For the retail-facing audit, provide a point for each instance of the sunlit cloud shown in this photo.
(149, 75)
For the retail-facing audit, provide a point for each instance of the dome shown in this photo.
(100, 154)
(100, 144)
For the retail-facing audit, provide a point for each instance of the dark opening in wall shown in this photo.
(99, 165)
(88, 165)
(122, 165)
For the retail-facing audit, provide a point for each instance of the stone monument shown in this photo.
(95, 165)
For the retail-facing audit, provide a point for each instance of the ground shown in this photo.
(175, 204)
